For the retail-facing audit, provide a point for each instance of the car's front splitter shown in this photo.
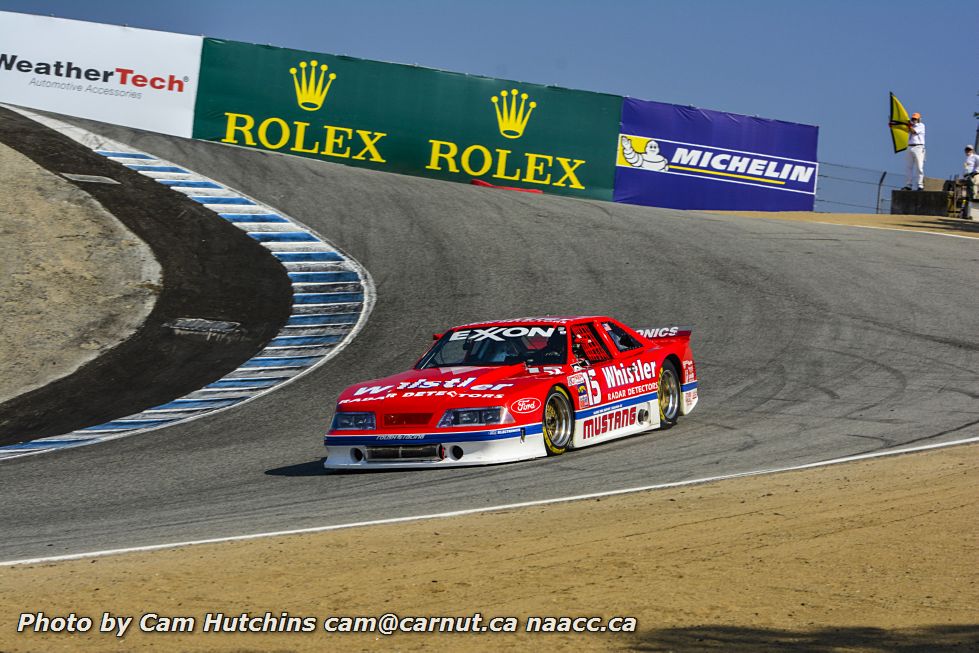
(428, 450)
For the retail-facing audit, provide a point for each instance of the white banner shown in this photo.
(121, 75)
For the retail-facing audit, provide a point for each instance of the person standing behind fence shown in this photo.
(916, 154)
(971, 174)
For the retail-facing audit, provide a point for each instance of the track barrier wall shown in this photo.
(121, 75)
(408, 119)
(689, 158)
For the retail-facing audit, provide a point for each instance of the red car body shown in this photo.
(510, 390)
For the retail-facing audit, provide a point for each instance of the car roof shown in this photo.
(548, 319)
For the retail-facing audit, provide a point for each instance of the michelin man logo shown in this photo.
(650, 159)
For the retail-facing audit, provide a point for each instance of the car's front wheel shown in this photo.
(557, 422)
(669, 395)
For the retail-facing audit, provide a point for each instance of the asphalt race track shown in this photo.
(812, 342)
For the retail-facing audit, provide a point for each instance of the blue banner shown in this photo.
(688, 158)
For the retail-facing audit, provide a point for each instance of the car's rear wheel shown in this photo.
(669, 395)
(557, 422)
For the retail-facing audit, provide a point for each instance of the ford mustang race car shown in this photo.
(510, 390)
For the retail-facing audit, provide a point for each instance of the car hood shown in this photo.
(450, 387)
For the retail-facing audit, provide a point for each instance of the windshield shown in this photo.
(534, 345)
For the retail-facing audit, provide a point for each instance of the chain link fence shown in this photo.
(848, 189)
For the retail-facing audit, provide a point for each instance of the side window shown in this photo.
(622, 340)
(587, 344)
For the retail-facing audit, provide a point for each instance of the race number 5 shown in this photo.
(594, 390)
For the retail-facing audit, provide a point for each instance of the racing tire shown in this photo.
(557, 422)
(669, 395)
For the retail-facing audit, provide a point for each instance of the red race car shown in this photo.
(497, 392)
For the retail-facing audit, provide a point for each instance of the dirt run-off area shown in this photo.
(876, 555)
(930, 223)
(74, 282)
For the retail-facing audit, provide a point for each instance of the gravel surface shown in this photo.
(73, 281)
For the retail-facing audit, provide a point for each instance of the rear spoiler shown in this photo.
(665, 332)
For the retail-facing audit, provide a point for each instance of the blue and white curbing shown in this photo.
(332, 297)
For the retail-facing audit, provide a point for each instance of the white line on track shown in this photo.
(474, 511)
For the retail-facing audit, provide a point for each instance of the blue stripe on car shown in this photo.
(426, 438)
(604, 408)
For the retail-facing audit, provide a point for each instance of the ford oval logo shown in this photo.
(528, 405)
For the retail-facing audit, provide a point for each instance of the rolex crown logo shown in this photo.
(310, 88)
(511, 118)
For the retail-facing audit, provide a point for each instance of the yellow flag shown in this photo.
(899, 125)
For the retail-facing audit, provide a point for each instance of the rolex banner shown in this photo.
(408, 119)
(688, 158)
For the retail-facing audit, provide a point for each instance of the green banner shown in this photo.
(408, 119)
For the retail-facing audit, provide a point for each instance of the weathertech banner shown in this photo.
(121, 75)
(688, 158)
(408, 119)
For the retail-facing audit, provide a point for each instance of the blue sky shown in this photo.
(829, 63)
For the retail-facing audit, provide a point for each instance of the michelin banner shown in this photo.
(121, 75)
(408, 119)
(687, 158)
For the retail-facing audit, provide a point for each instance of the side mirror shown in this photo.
(437, 336)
